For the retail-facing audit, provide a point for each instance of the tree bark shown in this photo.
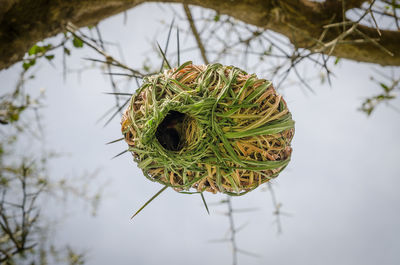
(26, 22)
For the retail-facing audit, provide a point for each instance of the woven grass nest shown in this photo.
(209, 127)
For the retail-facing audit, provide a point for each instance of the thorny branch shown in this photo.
(25, 183)
(279, 16)
(23, 187)
(225, 38)
(17, 226)
(390, 88)
(232, 231)
(113, 85)
(109, 60)
(277, 206)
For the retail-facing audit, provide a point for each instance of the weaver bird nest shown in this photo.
(209, 127)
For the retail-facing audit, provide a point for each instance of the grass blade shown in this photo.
(123, 74)
(117, 93)
(166, 45)
(123, 152)
(178, 49)
(164, 58)
(205, 203)
(115, 113)
(114, 141)
(149, 201)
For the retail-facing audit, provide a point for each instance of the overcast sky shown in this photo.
(341, 187)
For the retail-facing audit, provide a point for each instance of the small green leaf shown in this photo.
(67, 51)
(268, 51)
(385, 87)
(46, 48)
(28, 64)
(49, 57)
(146, 67)
(216, 17)
(34, 50)
(42, 181)
(78, 43)
(337, 60)
(205, 203)
(3, 181)
(14, 117)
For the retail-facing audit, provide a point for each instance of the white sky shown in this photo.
(341, 187)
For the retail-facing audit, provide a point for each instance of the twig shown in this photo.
(232, 231)
(277, 212)
(195, 33)
(109, 59)
(151, 199)
(113, 85)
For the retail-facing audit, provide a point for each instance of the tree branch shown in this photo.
(195, 33)
(347, 4)
(24, 23)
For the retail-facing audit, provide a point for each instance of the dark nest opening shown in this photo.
(170, 133)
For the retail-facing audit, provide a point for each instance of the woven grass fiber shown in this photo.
(209, 127)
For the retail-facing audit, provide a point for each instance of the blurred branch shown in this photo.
(195, 33)
(25, 184)
(17, 226)
(109, 60)
(390, 89)
(26, 24)
(277, 207)
(232, 231)
(113, 85)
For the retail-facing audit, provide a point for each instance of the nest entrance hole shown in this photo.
(172, 132)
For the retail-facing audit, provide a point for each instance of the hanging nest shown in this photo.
(209, 127)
